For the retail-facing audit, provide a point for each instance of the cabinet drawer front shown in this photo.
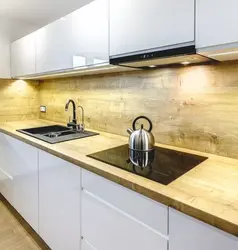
(106, 227)
(150, 212)
(186, 232)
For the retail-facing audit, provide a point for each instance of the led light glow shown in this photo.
(185, 63)
(224, 53)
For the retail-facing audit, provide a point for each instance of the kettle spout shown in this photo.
(129, 131)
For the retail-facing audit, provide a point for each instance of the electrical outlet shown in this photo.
(43, 109)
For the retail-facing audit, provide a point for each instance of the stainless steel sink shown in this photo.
(56, 133)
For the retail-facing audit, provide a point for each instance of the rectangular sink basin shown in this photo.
(56, 133)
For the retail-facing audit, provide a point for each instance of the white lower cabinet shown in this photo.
(19, 177)
(106, 226)
(187, 233)
(62, 202)
(59, 202)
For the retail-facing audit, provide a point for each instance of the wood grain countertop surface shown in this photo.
(208, 192)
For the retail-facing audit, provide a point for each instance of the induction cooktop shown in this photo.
(167, 165)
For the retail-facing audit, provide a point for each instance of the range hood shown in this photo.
(161, 56)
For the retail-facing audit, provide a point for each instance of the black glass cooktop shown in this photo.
(167, 165)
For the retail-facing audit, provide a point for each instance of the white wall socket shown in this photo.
(43, 109)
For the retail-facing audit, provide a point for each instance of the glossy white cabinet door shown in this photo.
(216, 22)
(54, 46)
(59, 202)
(128, 201)
(19, 183)
(107, 227)
(137, 25)
(187, 233)
(91, 34)
(23, 56)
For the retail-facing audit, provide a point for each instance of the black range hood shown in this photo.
(157, 57)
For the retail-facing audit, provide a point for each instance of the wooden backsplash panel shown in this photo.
(19, 100)
(193, 107)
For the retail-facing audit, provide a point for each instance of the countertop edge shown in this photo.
(203, 216)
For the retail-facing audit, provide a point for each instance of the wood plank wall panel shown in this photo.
(194, 107)
(19, 100)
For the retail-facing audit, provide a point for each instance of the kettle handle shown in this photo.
(142, 117)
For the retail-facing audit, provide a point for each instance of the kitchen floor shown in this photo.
(15, 233)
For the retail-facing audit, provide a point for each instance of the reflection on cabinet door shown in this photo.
(142, 25)
(90, 34)
(189, 233)
(54, 46)
(19, 169)
(59, 202)
(106, 227)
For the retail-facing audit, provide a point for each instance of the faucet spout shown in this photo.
(82, 118)
(74, 109)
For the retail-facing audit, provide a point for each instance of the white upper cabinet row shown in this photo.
(85, 37)
(79, 39)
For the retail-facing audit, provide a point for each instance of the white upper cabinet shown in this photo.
(91, 34)
(23, 56)
(187, 233)
(216, 22)
(138, 25)
(54, 46)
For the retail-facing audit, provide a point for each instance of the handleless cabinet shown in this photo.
(216, 22)
(139, 25)
(125, 221)
(59, 202)
(54, 46)
(186, 232)
(23, 56)
(19, 177)
(90, 34)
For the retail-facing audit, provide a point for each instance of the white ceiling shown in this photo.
(38, 12)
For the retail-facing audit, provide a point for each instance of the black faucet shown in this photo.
(74, 121)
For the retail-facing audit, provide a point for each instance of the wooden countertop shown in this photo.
(209, 192)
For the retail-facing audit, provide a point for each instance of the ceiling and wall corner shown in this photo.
(38, 13)
(22, 17)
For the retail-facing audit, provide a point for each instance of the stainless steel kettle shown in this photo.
(141, 144)
(141, 139)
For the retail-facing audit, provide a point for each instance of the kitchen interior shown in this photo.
(118, 125)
